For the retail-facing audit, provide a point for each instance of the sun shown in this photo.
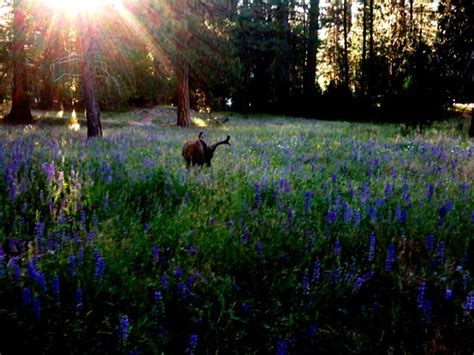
(76, 7)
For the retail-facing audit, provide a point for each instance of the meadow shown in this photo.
(304, 236)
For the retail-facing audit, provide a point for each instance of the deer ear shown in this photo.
(200, 134)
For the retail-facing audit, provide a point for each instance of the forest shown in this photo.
(236, 176)
(402, 61)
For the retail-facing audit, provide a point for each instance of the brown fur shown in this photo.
(197, 152)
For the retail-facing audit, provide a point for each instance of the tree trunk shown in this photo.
(370, 81)
(284, 84)
(89, 85)
(182, 91)
(181, 65)
(347, 15)
(363, 76)
(309, 80)
(21, 108)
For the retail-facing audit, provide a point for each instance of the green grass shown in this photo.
(238, 243)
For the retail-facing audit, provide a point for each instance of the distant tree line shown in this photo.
(396, 60)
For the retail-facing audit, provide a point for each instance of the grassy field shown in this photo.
(304, 236)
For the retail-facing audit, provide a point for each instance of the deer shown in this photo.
(197, 152)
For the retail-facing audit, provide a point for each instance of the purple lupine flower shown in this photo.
(420, 298)
(37, 308)
(178, 272)
(155, 252)
(259, 247)
(430, 243)
(358, 283)
(80, 256)
(245, 308)
(164, 281)
(357, 218)
(347, 213)
(429, 192)
(316, 271)
(448, 294)
(26, 296)
(307, 201)
(99, 268)
(212, 220)
(158, 297)
(388, 190)
(193, 341)
(79, 300)
(41, 280)
(192, 250)
(331, 216)
(371, 247)
(427, 311)
(56, 287)
(372, 215)
(245, 237)
(258, 195)
(282, 347)
(305, 285)
(337, 249)
(443, 211)
(230, 223)
(441, 252)
(312, 330)
(72, 265)
(469, 304)
(123, 329)
(390, 258)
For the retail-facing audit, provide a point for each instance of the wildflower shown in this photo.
(312, 330)
(390, 258)
(448, 294)
(123, 329)
(158, 297)
(99, 268)
(245, 237)
(245, 308)
(420, 298)
(258, 195)
(79, 300)
(282, 347)
(56, 287)
(307, 201)
(357, 218)
(316, 271)
(430, 243)
(388, 190)
(72, 265)
(469, 304)
(37, 308)
(193, 341)
(372, 214)
(347, 213)
(305, 285)
(441, 252)
(164, 281)
(371, 247)
(26, 296)
(337, 249)
(192, 250)
(429, 192)
(178, 272)
(331, 216)
(155, 252)
(41, 280)
(259, 247)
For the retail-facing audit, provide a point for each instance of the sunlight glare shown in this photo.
(75, 7)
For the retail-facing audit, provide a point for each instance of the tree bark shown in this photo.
(363, 76)
(284, 85)
(370, 81)
(309, 80)
(181, 65)
(20, 112)
(346, 23)
(89, 84)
